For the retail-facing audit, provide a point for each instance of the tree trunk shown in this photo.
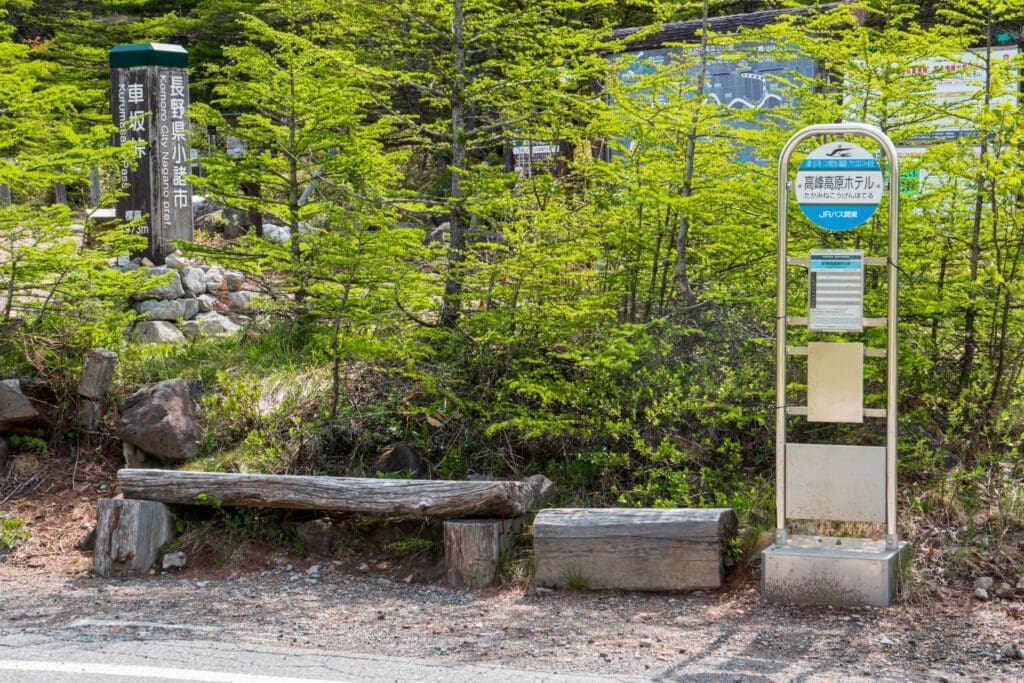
(451, 303)
(974, 255)
(391, 497)
(683, 234)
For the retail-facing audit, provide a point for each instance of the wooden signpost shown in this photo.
(149, 104)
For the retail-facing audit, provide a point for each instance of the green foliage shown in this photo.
(12, 532)
(611, 324)
(58, 297)
(224, 532)
(29, 444)
(401, 474)
(411, 544)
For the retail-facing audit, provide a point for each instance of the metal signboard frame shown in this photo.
(891, 262)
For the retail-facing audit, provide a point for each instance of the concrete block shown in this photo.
(822, 570)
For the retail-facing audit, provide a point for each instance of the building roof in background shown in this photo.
(689, 31)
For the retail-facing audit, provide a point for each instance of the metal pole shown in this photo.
(892, 538)
(876, 134)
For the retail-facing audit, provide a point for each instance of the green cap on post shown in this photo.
(148, 54)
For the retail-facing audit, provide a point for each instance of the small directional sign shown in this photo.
(839, 185)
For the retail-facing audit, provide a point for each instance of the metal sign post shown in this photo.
(839, 186)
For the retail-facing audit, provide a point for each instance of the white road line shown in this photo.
(146, 672)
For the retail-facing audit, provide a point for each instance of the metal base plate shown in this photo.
(822, 570)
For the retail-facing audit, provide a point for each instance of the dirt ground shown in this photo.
(385, 602)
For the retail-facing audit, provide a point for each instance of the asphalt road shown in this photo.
(129, 654)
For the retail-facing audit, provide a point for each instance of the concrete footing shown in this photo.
(822, 570)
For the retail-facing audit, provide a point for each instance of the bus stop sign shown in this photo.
(839, 185)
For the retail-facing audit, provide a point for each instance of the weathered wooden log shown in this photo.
(129, 534)
(632, 549)
(473, 548)
(386, 497)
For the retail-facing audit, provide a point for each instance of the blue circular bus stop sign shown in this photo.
(839, 185)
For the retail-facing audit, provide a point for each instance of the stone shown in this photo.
(276, 233)
(176, 262)
(234, 280)
(158, 309)
(97, 373)
(210, 221)
(191, 329)
(175, 560)
(170, 290)
(317, 535)
(230, 222)
(88, 543)
(206, 303)
(16, 410)
(157, 332)
(216, 324)
(133, 457)
(1020, 586)
(985, 582)
(215, 283)
(202, 205)
(980, 593)
(1005, 591)
(241, 300)
(129, 533)
(191, 308)
(402, 458)
(193, 280)
(162, 420)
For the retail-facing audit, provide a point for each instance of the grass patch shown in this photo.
(574, 579)
(12, 532)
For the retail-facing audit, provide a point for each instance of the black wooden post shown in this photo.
(149, 104)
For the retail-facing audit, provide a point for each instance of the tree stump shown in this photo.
(473, 548)
(129, 533)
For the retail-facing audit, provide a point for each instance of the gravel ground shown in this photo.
(350, 606)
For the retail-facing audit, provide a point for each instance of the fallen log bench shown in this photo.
(643, 549)
(478, 516)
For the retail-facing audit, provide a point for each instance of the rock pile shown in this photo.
(197, 300)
